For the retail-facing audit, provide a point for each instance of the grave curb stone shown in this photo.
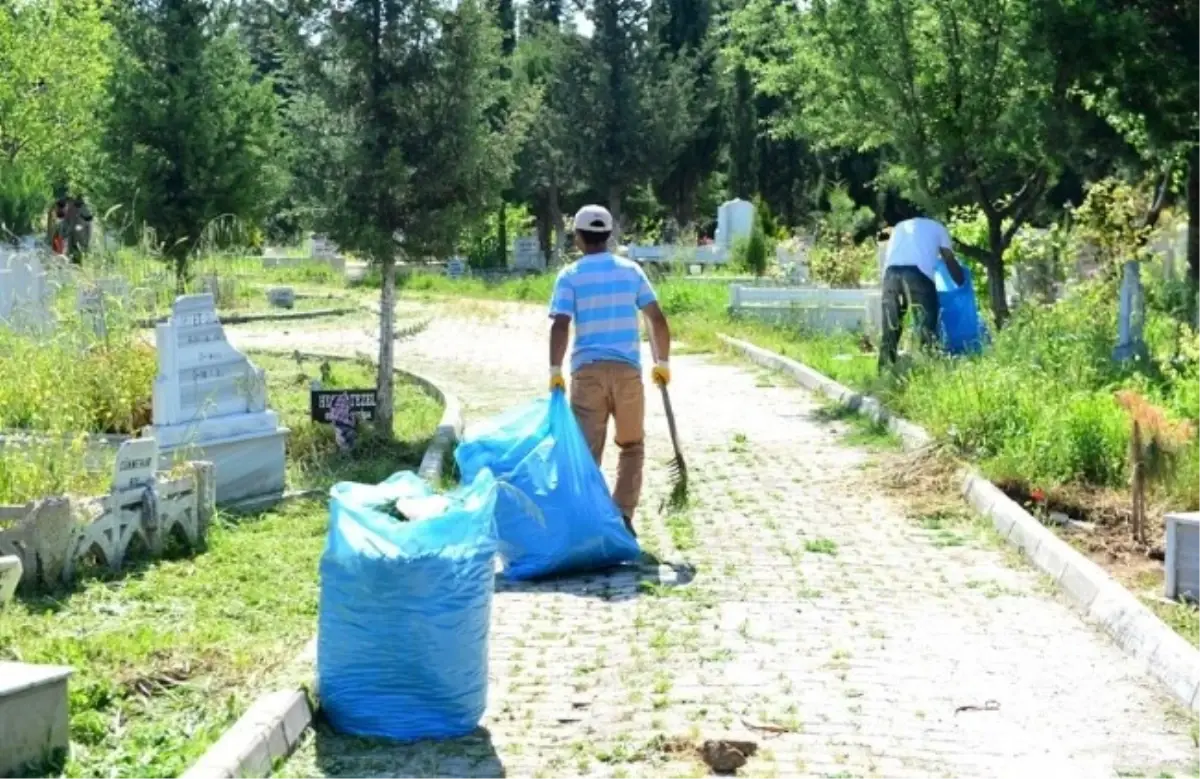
(276, 721)
(1168, 657)
(268, 731)
(266, 316)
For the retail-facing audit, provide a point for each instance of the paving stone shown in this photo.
(862, 655)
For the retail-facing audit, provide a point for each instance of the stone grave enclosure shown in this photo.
(210, 403)
(52, 536)
(826, 310)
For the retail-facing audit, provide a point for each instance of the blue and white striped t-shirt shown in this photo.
(603, 295)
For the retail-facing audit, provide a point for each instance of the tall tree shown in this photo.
(964, 94)
(54, 62)
(193, 135)
(550, 64)
(1140, 68)
(682, 29)
(418, 83)
(634, 117)
(743, 135)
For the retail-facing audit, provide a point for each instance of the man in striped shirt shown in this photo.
(602, 295)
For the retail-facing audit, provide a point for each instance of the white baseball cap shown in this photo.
(594, 219)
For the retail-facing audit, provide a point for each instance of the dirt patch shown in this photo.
(1098, 522)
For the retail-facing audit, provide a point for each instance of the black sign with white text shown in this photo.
(361, 403)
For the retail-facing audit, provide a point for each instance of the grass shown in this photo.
(313, 456)
(1036, 410)
(169, 654)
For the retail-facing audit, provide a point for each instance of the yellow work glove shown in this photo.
(557, 382)
(661, 373)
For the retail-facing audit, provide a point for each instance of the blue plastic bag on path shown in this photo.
(959, 325)
(567, 521)
(402, 633)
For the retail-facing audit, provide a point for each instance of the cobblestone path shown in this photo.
(822, 621)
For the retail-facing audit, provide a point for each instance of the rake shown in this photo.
(677, 468)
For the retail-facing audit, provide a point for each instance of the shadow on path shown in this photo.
(350, 756)
(620, 583)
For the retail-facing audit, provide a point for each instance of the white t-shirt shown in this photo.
(916, 242)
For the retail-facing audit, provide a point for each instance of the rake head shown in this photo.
(678, 499)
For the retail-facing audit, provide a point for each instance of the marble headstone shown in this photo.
(210, 403)
(527, 254)
(735, 220)
(25, 295)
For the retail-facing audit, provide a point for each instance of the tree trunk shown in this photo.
(545, 232)
(502, 236)
(995, 271)
(554, 210)
(387, 314)
(1193, 230)
(614, 208)
(181, 275)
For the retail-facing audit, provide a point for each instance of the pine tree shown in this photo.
(684, 39)
(418, 85)
(192, 135)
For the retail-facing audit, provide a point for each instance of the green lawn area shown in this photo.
(168, 653)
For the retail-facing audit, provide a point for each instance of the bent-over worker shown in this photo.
(912, 255)
(602, 295)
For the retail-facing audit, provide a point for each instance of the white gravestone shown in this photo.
(24, 293)
(325, 249)
(527, 254)
(210, 403)
(735, 219)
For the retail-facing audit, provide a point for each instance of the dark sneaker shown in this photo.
(629, 526)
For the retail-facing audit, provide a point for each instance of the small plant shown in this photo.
(821, 546)
(1154, 445)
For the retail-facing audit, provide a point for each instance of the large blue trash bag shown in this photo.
(404, 610)
(563, 520)
(960, 327)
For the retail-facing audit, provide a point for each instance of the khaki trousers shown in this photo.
(601, 390)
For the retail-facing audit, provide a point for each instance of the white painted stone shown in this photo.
(33, 715)
(1182, 561)
(735, 220)
(24, 294)
(827, 310)
(10, 576)
(210, 403)
(527, 254)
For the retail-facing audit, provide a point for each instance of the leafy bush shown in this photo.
(24, 197)
(842, 266)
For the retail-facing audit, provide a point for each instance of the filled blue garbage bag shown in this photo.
(960, 326)
(563, 519)
(402, 633)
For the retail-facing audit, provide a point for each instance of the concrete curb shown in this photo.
(241, 319)
(276, 721)
(268, 731)
(1170, 658)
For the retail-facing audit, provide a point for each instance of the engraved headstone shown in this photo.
(527, 254)
(735, 220)
(209, 397)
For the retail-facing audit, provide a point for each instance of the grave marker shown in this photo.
(456, 267)
(527, 254)
(209, 396)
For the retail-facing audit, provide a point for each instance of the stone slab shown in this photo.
(268, 731)
(246, 467)
(33, 715)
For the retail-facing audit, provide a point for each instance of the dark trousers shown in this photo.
(904, 287)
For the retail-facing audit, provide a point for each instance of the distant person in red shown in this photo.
(55, 227)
